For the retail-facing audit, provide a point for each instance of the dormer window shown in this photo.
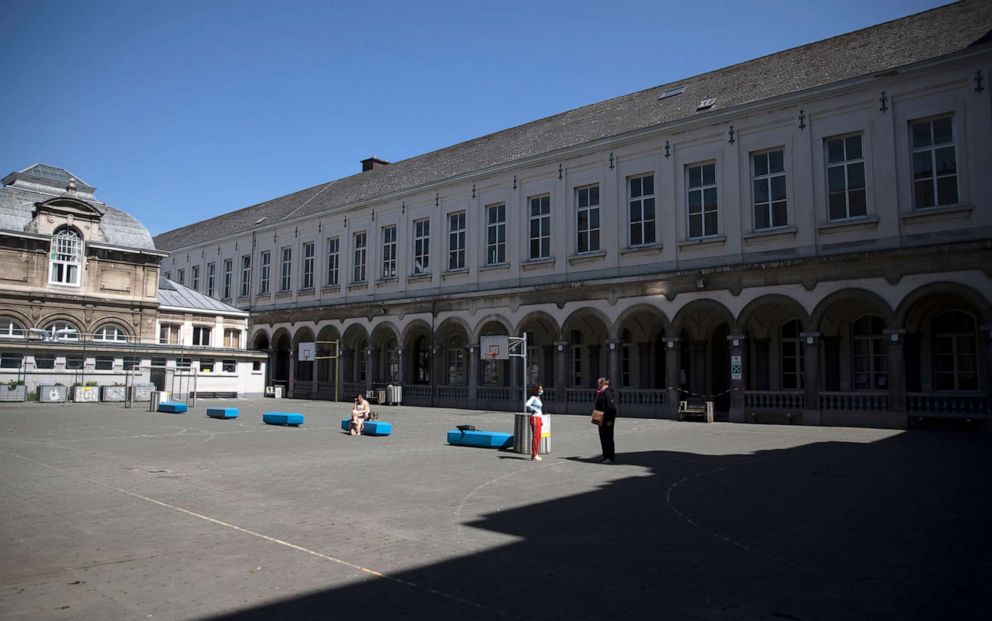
(66, 257)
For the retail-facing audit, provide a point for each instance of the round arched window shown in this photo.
(66, 257)
(110, 332)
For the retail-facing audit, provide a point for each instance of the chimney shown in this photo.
(373, 162)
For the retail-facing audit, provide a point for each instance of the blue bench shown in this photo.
(175, 408)
(482, 439)
(370, 428)
(291, 419)
(222, 412)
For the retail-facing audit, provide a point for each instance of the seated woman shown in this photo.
(358, 415)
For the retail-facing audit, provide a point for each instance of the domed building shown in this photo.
(83, 303)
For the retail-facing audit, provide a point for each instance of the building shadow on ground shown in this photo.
(892, 529)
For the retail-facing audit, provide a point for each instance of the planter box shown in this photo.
(113, 393)
(86, 394)
(18, 393)
(142, 392)
(51, 393)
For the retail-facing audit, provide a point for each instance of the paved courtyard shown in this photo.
(114, 513)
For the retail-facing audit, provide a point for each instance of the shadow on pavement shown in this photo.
(893, 529)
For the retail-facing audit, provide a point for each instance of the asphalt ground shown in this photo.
(112, 513)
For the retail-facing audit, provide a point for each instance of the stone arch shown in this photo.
(702, 327)
(385, 345)
(281, 346)
(354, 355)
(542, 332)
(772, 350)
(701, 318)
(641, 330)
(960, 366)
(587, 331)
(494, 372)
(327, 367)
(836, 318)
(22, 319)
(418, 353)
(484, 327)
(260, 339)
(124, 326)
(453, 351)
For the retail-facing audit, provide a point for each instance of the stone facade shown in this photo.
(817, 254)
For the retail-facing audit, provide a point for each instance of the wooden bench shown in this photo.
(696, 410)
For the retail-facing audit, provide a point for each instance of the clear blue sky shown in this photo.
(181, 110)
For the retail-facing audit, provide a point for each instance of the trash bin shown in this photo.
(380, 396)
(522, 435)
(394, 394)
(277, 391)
(156, 397)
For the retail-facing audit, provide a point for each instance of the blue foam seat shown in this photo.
(175, 408)
(222, 412)
(482, 439)
(292, 419)
(370, 428)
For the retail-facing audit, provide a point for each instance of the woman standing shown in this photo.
(535, 407)
(606, 401)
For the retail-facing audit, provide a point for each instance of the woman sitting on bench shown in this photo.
(358, 415)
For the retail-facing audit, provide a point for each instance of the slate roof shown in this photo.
(173, 295)
(40, 182)
(869, 51)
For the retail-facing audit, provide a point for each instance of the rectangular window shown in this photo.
(229, 366)
(184, 363)
(768, 181)
(211, 275)
(701, 199)
(256, 365)
(332, 261)
(158, 362)
(286, 273)
(846, 178)
(232, 339)
(495, 234)
(308, 257)
(358, 273)
(935, 163)
(44, 361)
(540, 227)
(168, 334)
(194, 278)
(131, 362)
(389, 252)
(228, 278)
(74, 362)
(182, 276)
(246, 276)
(10, 360)
(207, 365)
(168, 275)
(201, 336)
(104, 363)
(456, 241)
(421, 246)
(641, 210)
(587, 219)
(263, 273)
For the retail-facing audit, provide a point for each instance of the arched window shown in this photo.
(869, 351)
(361, 361)
(392, 370)
(792, 356)
(63, 331)
(10, 329)
(422, 360)
(110, 332)
(955, 351)
(456, 361)
(66, 257)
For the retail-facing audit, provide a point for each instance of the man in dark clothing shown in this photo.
(606, 400)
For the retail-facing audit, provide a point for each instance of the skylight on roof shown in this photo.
(261, 220)
(705, 104)
(672, 92)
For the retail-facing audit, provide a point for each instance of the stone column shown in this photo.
(673, 364)
(291, 386)
(897, 370)
(401, 365)
(561, 375)
(613, 361)
(699, 381)
(811, 377)
(738, 376)
(473, 374)
(368, 368)
(515, 369)
(548, 377)
(345, 365)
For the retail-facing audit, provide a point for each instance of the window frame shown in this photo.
(285, 269)
(421, 246)
(264, 272)
(309, 256)
(588, 233)
(194, 277)
(932, 149)
(496, 234)
(389, 242)
(66, 253)
(702, 189)
(542, 219)
(847, 165)
(211, 279)
(333, 271)
(456, 240)
(198, 336)
(768, 179)
(228, 279)
(359, 241)
(642, 221)
(246, 275)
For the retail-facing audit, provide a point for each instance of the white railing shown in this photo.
(947, 403)
(859, 401)
(775, 399)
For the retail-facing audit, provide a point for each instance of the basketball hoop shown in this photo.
(493, 354)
